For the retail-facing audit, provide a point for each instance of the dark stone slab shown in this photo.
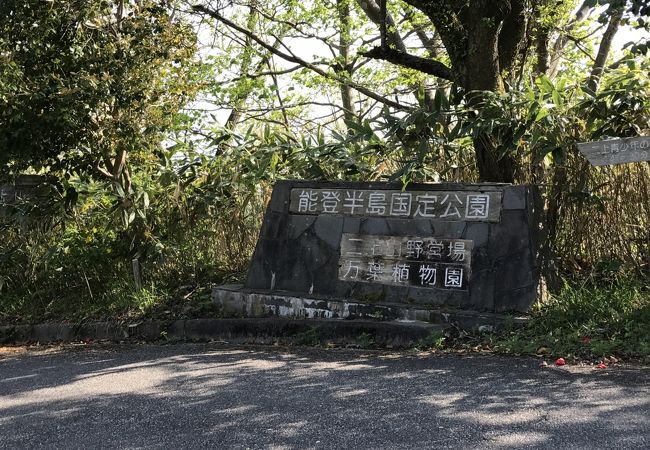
(514, 198)
(300, 251)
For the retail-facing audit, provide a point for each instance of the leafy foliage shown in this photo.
(82, 80)
(588, 319)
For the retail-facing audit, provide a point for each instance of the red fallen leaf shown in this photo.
(586, 340)
(560, 362)
(601, 366)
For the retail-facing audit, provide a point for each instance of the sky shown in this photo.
(310, 50)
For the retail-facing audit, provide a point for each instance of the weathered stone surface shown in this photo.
(256, 304)
(300, 253)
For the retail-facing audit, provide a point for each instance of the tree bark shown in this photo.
(344, 67)
(562, 40)
(604, 48)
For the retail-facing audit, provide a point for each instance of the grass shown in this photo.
(589, 320)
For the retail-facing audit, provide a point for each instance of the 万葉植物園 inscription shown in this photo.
(426, 262)
(440, 205)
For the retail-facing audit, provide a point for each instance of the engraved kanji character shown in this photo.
(394, 249)
(427, 275)
(379, 249)
(453, 277)
(353, 200)
(478, 206)
(452, 209)
(426, 205)
(356, 246)
(307, 201)
(400, 204)
(353, 266)
(457, 251)
(401, 273)
(375, 269)
(414, 249)
(330, 201)
(434, 249)
(376, 203)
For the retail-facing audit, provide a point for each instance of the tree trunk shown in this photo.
(343, 67)
(482, 72)
(604, 48)
(491, 165)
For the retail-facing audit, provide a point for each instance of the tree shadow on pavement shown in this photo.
(238, 397)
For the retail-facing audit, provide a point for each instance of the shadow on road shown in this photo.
(207, 395)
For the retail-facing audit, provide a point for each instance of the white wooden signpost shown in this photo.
(616, 151)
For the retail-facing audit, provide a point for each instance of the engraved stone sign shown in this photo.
(425, 262)
(616, 151)
(470, 206)
(460, 246)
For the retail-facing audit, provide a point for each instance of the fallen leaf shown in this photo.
(560, 362)
(586, 340)
(601, 366)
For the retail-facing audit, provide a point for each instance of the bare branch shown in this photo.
(430, 66)
(603, 49)
(296, 59)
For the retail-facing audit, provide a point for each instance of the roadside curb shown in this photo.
(249, 330)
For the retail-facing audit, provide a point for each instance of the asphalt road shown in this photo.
(211, 396)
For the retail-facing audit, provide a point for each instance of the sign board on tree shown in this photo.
(616, 151)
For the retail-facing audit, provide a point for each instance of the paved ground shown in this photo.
(210, 396)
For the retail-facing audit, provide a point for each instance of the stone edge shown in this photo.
(232, 330)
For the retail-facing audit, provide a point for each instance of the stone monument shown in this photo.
(376, 250)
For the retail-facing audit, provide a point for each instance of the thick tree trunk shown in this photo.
(491, 165)
(482, 72)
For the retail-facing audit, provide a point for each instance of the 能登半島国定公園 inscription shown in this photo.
(439, 205)
(406, 261)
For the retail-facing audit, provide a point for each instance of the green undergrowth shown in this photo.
(588, 320)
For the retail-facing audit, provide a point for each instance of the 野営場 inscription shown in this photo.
(441, 205)
(406, 261)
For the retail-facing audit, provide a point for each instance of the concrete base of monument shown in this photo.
(237, 301)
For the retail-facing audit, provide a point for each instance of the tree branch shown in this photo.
(563, 38)
(430, 66)
(603, 50)
(444, 15)
(374, 13)
(511, 37)
(296, 59)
